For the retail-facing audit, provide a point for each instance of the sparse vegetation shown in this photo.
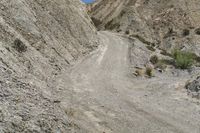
(111, 25)
(70, 112)
(170, 33)
(197, 58)
(183, 60)
(96, 21)
(161, 65)
(142, 39)
(19, 46)
(127, 32)
(180, 59)
(154, 59)
(139, 72)
(197, 31)
(149, 71)
(186, 32)
(150, 48)
(164, 52)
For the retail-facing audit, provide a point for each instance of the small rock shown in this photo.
(56, 101)
(193, 88)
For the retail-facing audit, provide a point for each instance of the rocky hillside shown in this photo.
(168, 23)
(39, 40)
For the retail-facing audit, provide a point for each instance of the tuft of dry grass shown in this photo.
(140, 72)
(149, 71)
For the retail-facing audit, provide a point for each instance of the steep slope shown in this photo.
(168, 23)
(39, 40)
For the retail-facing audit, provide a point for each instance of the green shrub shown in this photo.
(183, 60)
(149, 71)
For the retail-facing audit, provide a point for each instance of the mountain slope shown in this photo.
(167, 23)
(51, 81)
(39, 40)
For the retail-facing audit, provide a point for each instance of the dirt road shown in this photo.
(106, 98)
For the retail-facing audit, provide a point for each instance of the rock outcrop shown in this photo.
(167, 23)
(193, 88)
(39, 40)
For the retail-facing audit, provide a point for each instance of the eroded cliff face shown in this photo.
(39, 40)
(167, 23)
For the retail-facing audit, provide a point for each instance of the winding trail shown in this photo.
(107, 99)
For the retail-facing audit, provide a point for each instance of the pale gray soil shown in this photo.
(41, 39)
(106, 98)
